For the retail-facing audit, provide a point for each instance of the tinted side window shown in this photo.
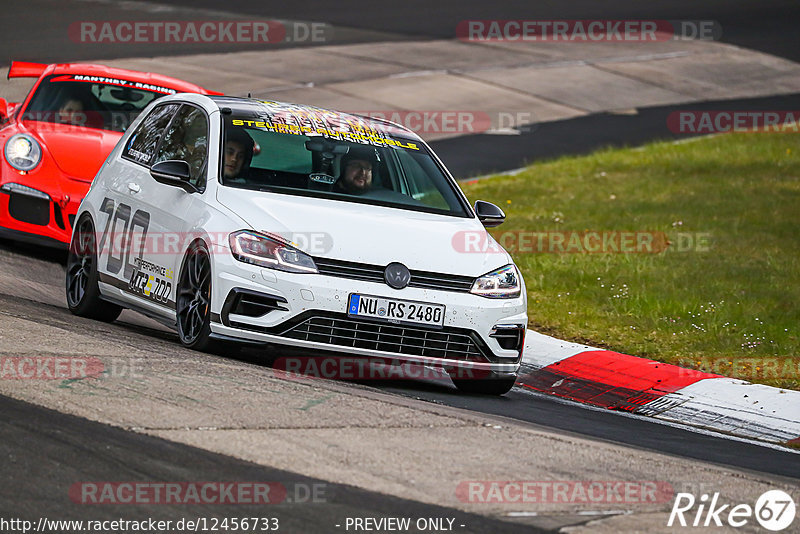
(186, 139)
(141, 146)
(420, 184)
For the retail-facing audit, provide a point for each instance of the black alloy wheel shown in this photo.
(193, 300)
(83, 293)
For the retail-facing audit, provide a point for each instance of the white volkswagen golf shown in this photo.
(234, 219)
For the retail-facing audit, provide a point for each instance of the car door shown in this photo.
(166, 207)
(124, 221)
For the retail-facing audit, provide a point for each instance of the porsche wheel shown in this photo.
(193, 300)
(83, 294)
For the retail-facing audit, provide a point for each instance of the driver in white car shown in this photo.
(237, 156)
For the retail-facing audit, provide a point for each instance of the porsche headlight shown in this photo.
(258, 249)
(504, 283)
(23, 152)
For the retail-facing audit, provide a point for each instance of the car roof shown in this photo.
(103, 71)
(326, 118)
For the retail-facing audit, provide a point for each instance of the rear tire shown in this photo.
(487, 386)
(83, 293)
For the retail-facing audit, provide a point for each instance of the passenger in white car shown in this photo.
(356, 176)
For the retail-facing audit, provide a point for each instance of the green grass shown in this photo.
(730, 307)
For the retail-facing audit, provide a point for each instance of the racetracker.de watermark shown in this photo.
(708, 122)
(199, 492)
(752, 369)
(198, 32)
(134, 241)
(583, 242)
(68, 367)
(363, 368)
(433, 121)
(586, 31)
(49, 367)
(564, 491)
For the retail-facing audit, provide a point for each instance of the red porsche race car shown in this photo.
(56, 140)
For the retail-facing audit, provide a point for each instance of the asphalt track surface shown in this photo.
(41, 33)
(481, 154)
(768, 26)
(565, 416)
(40, 29)
(45, 452)
(48, 451)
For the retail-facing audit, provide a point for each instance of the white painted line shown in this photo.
(415, 73)
(502, 131)
(541, 350)
(605, 512)
(729, 405)
(726, 405)
(666, 422)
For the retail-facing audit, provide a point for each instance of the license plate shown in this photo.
(395, 311)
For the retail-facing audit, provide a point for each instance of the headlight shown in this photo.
(503, 283)
(258, 249)
(23, 152)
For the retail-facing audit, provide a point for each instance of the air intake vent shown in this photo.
(250, 303)
(509, 337)
(29, 209)
(345, 332)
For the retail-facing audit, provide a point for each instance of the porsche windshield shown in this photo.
(91, 101)
(387, 171)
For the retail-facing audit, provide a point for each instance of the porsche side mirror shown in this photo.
(173, 172)
(489, 214)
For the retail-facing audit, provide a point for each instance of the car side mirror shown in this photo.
(173, 172)
(489, 214)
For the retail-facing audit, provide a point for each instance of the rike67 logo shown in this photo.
(774, 510)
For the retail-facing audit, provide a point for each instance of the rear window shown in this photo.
(91, 101)
(395, 172)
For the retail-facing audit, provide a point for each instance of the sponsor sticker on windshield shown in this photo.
(353, 135)
(310, 121)
(114, 81)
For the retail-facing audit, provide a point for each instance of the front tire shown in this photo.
(487, 386)
(83, 293)
(193, 299)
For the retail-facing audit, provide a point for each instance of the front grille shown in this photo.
(406, 340)
(374, 273)
(29, 209)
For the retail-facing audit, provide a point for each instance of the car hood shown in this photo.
(79, 152)
(368, 234)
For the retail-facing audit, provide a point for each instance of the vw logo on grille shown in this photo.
(397, 275)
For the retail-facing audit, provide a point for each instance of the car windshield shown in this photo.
(91, 101)
(362, 166)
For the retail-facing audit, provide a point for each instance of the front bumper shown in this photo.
(309, 311)
(28, 214)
